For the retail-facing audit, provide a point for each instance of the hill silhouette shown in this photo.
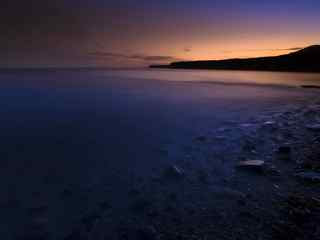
(304, 60)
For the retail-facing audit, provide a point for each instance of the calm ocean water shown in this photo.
(83, 76)
(220, 76)
(93, 131)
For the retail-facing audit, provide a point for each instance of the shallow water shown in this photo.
(95, 132)
(77, 77)
(222, 76)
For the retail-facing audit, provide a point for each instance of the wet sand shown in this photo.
(148, 159)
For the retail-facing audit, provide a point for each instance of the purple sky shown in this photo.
(122, 33)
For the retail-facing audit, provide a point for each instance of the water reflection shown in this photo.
(222, 76)
(102, 77)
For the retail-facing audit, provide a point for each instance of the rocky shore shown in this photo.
(257, 179)
(273, 192)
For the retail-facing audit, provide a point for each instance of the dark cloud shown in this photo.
(59, 31)
(282, 49)
(22, 17)
(35, 26)
(294, 49)
(140, 57)
(265, 49)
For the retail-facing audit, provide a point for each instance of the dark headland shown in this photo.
(304, 60)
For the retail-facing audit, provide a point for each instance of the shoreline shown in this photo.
(303, 60)
(168, 67)
(286, 202)
(159, 160)
(268, 201)
(183, 200)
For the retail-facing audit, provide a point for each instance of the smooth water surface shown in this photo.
(93, 133)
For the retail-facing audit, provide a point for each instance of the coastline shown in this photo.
(281, 197)
(269, 201)
(304, 60)
(144, 159)
(262, 69)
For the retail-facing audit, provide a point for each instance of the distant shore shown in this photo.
(305, 60)
(138, 158)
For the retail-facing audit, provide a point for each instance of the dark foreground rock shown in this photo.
(252, 165)
(314, 127)
(309, 176)
(270, 189)
(304, 60)
(173, 172)
(299, 219)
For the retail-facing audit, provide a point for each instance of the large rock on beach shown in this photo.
(253, 165)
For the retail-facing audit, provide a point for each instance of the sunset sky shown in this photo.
(133, 33)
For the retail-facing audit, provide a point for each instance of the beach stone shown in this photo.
(248, 146)
(315, 107)
(40, 222)
(201, 139)
(203, 176)
(35, 229)
(223, 129)
(90, 220)
(309, 112)
(247, 125)
(104, 205)
(37, 210)
(314, 127)
(284, 153)
(173, 172)
(309, 176)
(140, 205)
(272, 170)
(134, 192)
(220, 138)
(269, 126)
(242, 202)
(254, 165)
(153, 213)
(268, 123)
(147, 233)
(34, 236)
(77, 234)
(66, 193)
(226, 192)
(284, 150)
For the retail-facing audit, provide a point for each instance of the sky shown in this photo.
(136, 33)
